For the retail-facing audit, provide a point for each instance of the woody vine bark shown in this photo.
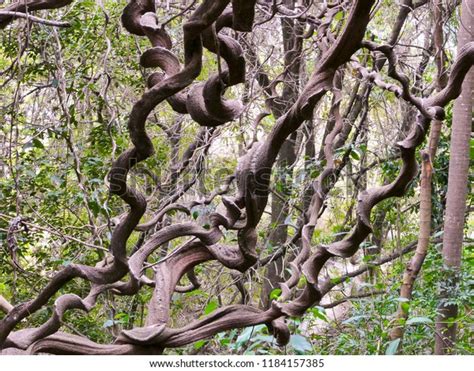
(207, 26)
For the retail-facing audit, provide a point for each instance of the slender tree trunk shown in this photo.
(456, 195)
(414, 265)
(280, 209)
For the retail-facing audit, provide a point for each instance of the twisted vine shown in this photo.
(206, 105)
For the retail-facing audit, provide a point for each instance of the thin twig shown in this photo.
(35, 19)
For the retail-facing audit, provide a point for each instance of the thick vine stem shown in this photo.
(251, 195)
(321, 186)
(368, 199)
(241, 212)
(251, 167)
(205, 102)
(205, 15)
(138, 19)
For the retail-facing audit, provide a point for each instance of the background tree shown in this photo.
(456, 195)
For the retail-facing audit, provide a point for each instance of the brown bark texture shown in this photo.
(212, 25)
(456, 194)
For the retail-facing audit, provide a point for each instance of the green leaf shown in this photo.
(300, 344)
(122, 318)
(244, 337)
(264, 339)
(108, 323)
(355, 155)
(392, 347)
(275, 294)
(419, 320)
(225, 341)
(37, 143)
(319, 312)
(471, 149)
(405, 306)
(199, 344)
(339, 15)
(211, 307)
(354, 319)
(94, 206)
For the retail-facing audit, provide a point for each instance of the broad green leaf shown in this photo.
(419, 320)
(275, 294)
(319, 312)
(37, 143)
(247, 334)
(405, 306)
(108, 323)
(211, 307)
(355, 155)
(354, 319)
(122, 318)
(392, 347)
(225, 341)
(339, 15)
(300, 344)
(199, 344)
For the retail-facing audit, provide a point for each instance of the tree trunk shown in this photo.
(425, 219)
(456, 195)
(415, 263)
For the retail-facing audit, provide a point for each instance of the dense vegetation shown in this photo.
(282, 200)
